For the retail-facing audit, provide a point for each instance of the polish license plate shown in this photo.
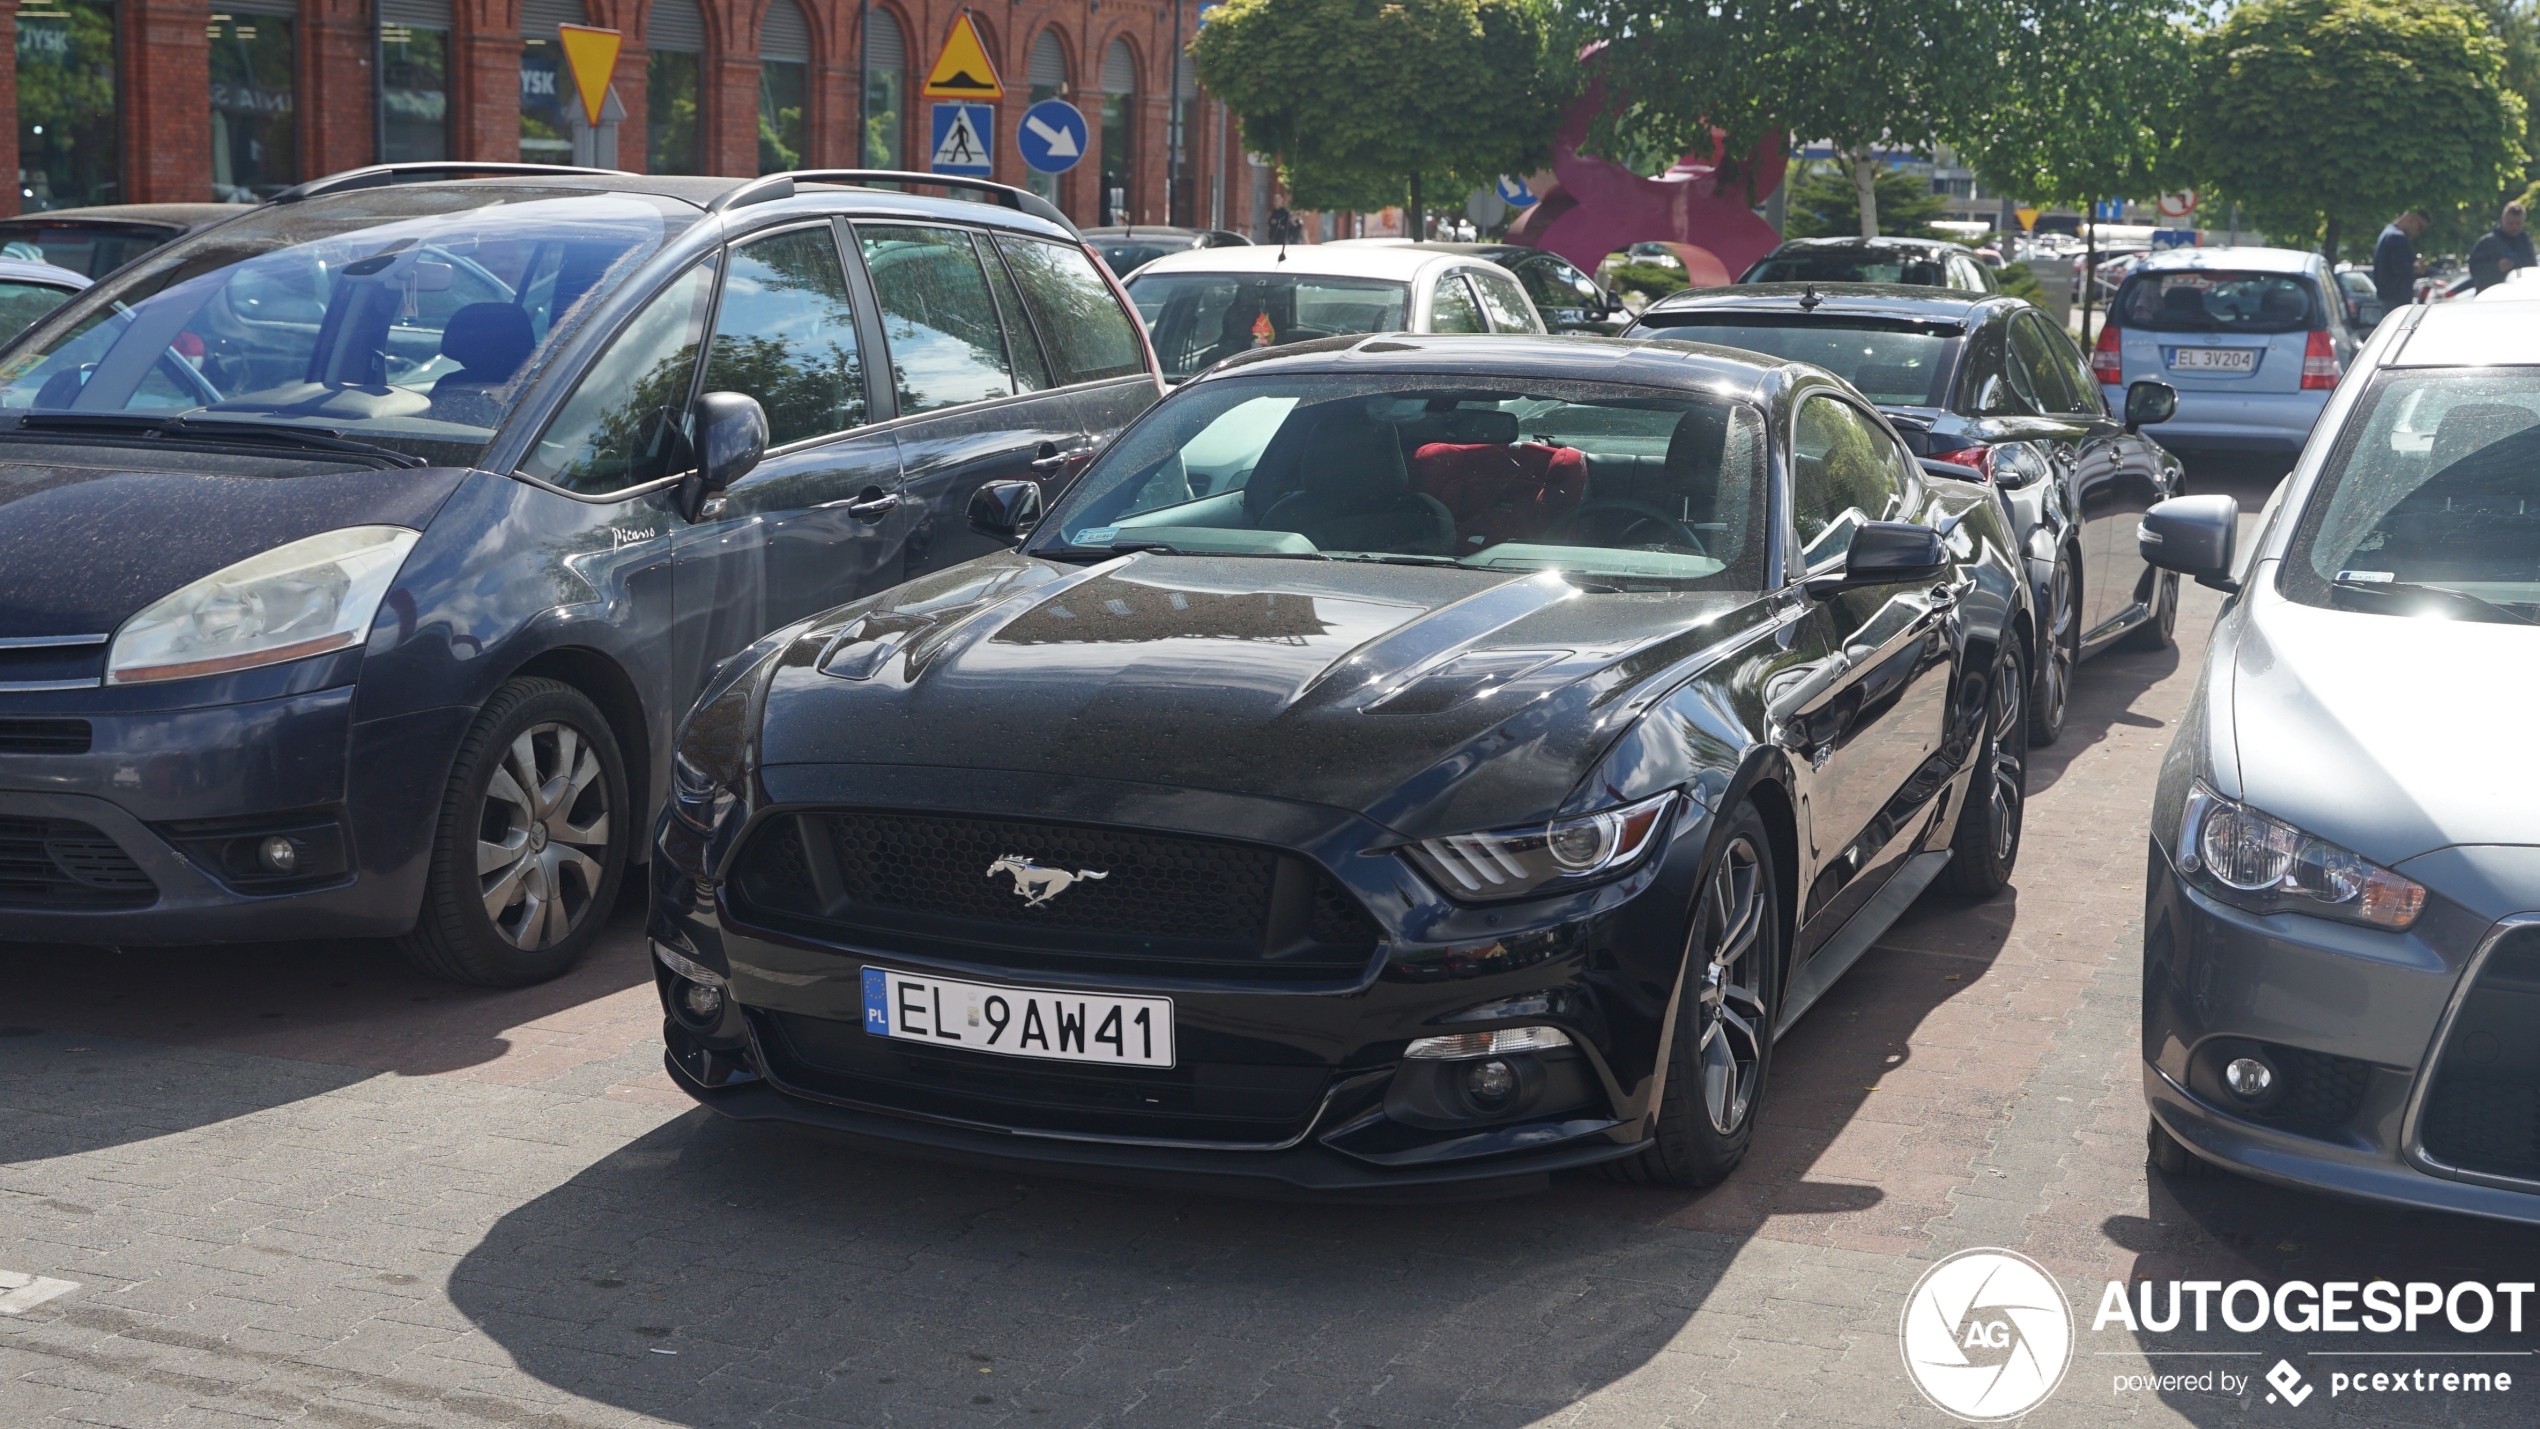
(2213, 359)
(1019, 1021)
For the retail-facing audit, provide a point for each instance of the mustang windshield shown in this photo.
(2437, 485)
(406, 318)
(1630, 484)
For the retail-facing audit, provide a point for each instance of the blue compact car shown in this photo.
(358, 555)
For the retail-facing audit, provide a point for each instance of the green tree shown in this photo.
(1365, 101)
(2324, 117)
(2083, 102)
(1824, 204)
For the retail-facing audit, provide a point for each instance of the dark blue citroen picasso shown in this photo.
(358, 555)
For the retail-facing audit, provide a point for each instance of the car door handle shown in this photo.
(874, 508)
(1051, 458)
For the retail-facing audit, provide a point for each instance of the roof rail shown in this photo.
(380, 175)
(770, 187)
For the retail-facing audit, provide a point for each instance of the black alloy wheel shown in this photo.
(1721, 1045)
(2062, 642)
(1986, 844)
(2156, 633)
(531, 845)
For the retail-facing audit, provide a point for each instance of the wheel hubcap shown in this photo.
(2060, 642)
(2010, 772)
(541, 837)
(1729, 926)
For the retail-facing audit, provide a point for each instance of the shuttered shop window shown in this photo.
(676, 25)
(784, 35)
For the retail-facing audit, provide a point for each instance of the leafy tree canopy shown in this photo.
(1356, 97)
(1824, 204)
(2083, 101)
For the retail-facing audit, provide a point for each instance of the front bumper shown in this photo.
(2229, 421)
(1288, 1088)
(2352, 1019)
(152, 776)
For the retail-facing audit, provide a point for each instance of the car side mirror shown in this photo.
(2149, 403)
(1886, 553)
(2192, 535)
(1005, 510)
(731, 432)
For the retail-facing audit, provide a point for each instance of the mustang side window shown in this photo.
(626, 422)
(1843, 475)
(785, 334)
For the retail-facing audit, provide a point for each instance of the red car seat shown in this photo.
(1500, 492)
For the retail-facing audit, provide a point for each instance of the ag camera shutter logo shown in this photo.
(1987, 1335)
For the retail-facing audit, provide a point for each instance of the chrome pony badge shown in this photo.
(1037, 885)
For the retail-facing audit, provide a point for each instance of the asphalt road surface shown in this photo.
(300, 1184)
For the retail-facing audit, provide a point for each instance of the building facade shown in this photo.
(142, 101)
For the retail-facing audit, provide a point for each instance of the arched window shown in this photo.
(546, 86)
(885, 93)
(1049, 81)
(1119, 89)
(784, 74)
(675, 45)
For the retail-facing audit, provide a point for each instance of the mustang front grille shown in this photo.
(1023, 894)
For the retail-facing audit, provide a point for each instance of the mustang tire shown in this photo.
(1986, 845)
(531, 843)
(2061, 655)
(1722, 1046)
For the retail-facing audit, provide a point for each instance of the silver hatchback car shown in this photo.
(2341, 956)
(2253, 339)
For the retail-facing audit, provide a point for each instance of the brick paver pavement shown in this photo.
(298, 1184)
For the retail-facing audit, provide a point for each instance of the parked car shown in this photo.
(1398, 762)
(2364, 308)
(97, 241)
(2340, 948)
(1564, 295)
(1994, 389)
(1204, 307)
(30, 290)
(1129, 247)
(2251, 338)
(358, 555)
(1913, 262)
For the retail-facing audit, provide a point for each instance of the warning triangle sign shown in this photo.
(962, 71)
(591, 54)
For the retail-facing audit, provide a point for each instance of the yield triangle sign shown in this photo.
(591, 54)
(963, 71)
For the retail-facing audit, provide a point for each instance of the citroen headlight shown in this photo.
(2265, 865)
(1517, 863)
(301, 599)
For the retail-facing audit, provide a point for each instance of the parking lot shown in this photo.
(299, 1183)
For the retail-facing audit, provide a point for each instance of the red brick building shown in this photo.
(182, 100)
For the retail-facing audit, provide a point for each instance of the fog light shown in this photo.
(1490, 1083)
(1484, 1044)
(278, 855)
(2248, 1078)
(701, 1002)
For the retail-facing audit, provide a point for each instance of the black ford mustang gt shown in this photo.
(1395, 763)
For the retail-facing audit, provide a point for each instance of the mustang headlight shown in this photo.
(1517, 863)
(2265, 865)
(301, 599)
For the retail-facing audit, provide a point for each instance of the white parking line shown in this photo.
(20, 1292)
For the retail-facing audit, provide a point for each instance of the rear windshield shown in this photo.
(1895, 364)
(92, 249)
(1199, 319)
(2436, 484)
(2211, 300)
(1852, 265)
(1124, 259)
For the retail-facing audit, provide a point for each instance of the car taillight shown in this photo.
(2319, 363)
(1977, 460)
(2106, 363)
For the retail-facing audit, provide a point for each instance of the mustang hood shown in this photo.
(2389, 735)
(1426, 698)
(90, 534)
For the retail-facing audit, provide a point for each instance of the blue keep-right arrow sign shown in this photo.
(1052, 136)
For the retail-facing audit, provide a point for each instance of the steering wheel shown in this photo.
(1643, 513)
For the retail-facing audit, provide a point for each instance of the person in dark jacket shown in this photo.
(2394, 258)
(2500, 250)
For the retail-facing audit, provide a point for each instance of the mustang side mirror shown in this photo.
(2192, 535)
(2149, 403)
(731, 437)
(1886, 553)
(1005, 510)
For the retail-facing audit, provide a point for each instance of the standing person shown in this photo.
(2500, 250)
(2394, 258)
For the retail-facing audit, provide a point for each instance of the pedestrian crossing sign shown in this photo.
(961, 140)
(963, 70)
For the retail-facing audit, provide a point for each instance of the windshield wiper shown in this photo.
(215, 429)
(1162, 548)
(2478, 606)
(1394, 559)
